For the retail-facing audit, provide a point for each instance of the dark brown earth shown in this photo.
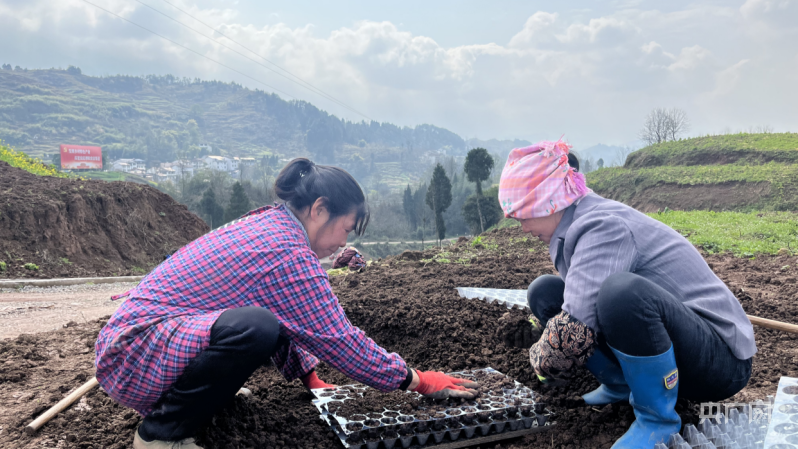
(410, 308)
(718, 197)
(73, 228)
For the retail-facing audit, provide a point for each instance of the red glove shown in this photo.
(312, 381)
(436, 385)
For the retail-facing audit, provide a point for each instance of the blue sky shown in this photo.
(505, 69)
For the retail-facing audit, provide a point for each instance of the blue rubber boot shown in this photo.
(654, 382)
(613, 386)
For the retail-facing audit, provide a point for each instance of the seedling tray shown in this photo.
(503, 413)
(783, 429)
(509, 298)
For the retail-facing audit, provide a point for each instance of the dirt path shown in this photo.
(38, 309)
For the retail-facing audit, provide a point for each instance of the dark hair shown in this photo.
(301, 183)
(573, 161)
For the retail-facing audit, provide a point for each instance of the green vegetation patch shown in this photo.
(775, 173)
(21, 160)
(725, 149)
(743, 234)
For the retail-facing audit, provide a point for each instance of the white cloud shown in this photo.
(536, 30)
(690, 58)
(593, 76)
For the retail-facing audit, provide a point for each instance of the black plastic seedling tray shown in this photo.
(508, 413)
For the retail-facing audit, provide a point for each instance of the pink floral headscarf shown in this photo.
(537, 181)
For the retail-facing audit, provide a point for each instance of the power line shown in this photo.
(193, 51)
(318, 91)
(306, 85)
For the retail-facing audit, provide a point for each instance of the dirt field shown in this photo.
(410, 308)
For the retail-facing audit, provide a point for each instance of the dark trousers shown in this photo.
(640, 318)
(241, 340)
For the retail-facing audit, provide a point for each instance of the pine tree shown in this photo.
(439, 197)
(239, 203)
(212, 210)
(409, 208)
(478, 165)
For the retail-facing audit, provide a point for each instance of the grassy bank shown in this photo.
(775, 173)
(741, 148)
(742, 234)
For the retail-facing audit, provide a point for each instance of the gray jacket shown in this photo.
(598, 237)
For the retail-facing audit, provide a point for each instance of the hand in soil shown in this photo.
(518, 331)
(437, 385)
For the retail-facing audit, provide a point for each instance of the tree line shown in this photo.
(479, 211)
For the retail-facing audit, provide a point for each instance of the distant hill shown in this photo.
(160, 118)
(739, 172)
(610, 153)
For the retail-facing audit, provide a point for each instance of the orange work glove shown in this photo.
(436, 385)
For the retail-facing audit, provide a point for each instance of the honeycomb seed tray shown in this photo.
(783, 427)
(510, 411)
(509, 298)
(735, 430)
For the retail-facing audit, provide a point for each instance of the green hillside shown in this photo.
(741, 172)
(726, 149)
(161, 118)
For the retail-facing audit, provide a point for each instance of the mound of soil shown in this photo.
(73, 228)
(408, 307)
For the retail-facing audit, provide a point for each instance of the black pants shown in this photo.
(241, 340)
(639, 318)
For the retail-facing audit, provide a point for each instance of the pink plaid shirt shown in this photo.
(263, 259)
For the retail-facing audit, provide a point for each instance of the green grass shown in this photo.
(775, 173)
(116, 176)
(743, 234)
(725, 149)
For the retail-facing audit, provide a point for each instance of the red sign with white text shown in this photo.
(76, 157)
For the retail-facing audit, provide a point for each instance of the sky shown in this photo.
(588, 70)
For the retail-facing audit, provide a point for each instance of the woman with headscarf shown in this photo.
(634, 302)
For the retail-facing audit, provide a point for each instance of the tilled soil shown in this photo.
(74, 228)
(412, 308)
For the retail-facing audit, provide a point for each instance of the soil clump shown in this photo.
(75, 228)
(412, 308)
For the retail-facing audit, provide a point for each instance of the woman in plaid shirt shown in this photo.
(194, 330)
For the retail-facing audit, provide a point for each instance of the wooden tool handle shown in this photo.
(773, 324)
(62, 404)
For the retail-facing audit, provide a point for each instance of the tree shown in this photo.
(212, 210)
(239, 203)
(409, 208)
(439, 197)
(600, 163)
(490, 209)
(477, 167)
(662, 125)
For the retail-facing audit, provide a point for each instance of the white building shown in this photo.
(165, 174)
(219, 163)
(129, 165)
